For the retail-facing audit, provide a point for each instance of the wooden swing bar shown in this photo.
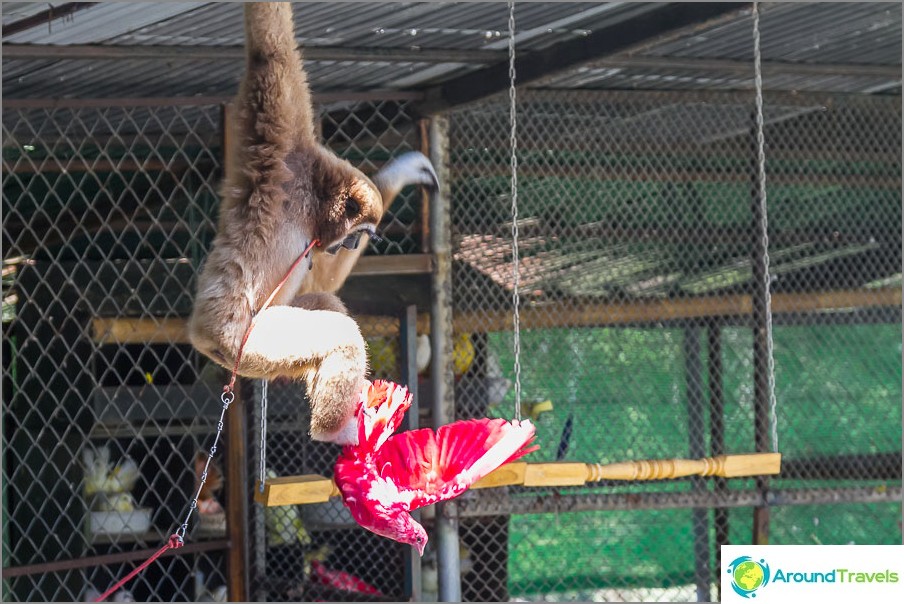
(312, 488)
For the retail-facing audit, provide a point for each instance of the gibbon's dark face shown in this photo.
(346, 204)
(361, 206)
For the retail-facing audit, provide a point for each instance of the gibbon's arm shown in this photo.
(284, 190)
(274, 101)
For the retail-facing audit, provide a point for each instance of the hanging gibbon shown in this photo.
(282, 191)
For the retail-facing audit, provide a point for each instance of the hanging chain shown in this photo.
(228, 394)
(226, 398)
(516, 275)
(761, 184)
(177, 539)
(263, 460)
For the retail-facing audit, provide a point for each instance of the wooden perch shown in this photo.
(570, 474)
(311, 488)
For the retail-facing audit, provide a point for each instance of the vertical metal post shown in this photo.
(760, 329)
(448, 563)
(257, 590)
(408, 346)
(717, 440)
(693, 374)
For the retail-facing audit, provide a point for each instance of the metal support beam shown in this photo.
(717, 439)
(447, 547)
(696, 420)
(743, 69)
(493, 504)
(103, 103)
(237, 53)
(408, 346)
(537, 65)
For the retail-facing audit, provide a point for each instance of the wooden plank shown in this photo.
(507, 475)
(653, 311)
(561, 474)
(750, 465)
(140, 331)
(292, 490)
(174, 330)
(601, 314)
(236, 497)
(724, 466)
(402, 264)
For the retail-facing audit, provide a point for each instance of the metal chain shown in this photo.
(263, 460)
(761, 177)
(516, 275)
(226, 398)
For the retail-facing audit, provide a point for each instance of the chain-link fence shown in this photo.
(107, 214)
(637, 289)
(637, 272)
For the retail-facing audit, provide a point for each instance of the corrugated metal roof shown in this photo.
(101, 22)
(147, 78)
(804, 33)
(866, 33)
(667, 78)
(14, 11)
(348, 24)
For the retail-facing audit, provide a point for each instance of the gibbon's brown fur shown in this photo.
(283, 189)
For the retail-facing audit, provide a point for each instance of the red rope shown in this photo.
(175, 541)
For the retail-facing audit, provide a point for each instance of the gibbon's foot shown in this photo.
(347, 434)
(335, 394)
(412, 168)
(324, 348)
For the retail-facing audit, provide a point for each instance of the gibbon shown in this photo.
(282, 191)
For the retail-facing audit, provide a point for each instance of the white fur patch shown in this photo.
(347, 434)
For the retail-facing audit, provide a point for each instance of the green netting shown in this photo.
(625, 390)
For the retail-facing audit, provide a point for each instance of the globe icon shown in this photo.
(748, 575)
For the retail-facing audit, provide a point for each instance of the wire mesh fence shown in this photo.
(637, 277)
(637, 287)
(107, 214)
